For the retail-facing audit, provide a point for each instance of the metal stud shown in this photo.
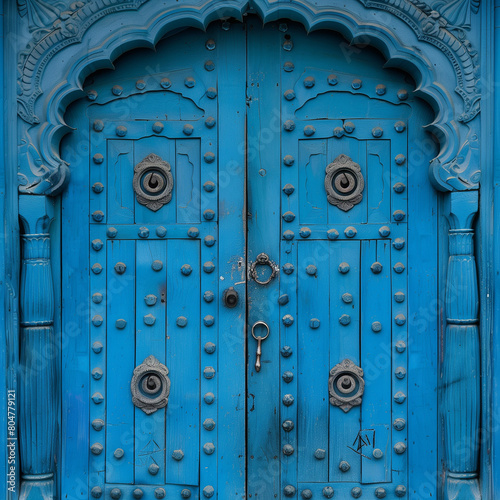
(121, 131)
(288, 400)
(289, 95)
(209, 398)
(283, 27)
(398, 243)
(287, 320)
(209, 157)
(208, 214)
(288, 235)
(288, 66)
(399, 424)
(400, 373)
(98, 125)
(356, 492)
(332, 234)
(97, 298)
(344, 268)
(377, 453)
(98, 188)
(118, 453)
(328, 492)
(208, 296)
(288, 45)
(288, 160)
(289, 125)
(208, 320)
(158, 127)
(98, 158)
(209, 424)
(150, 299)
(120, 267)
(97, 347)
(286, 351)
(377, 132)
(380, 493)
(288, 450)
(210, 44)
(349, 127)
(399, 127)
(399, 267)
(399, 448)
(208, 267)
(384, 231)
(117, 90)
(96, 448)
(314, 323)
(309, 130)
(115, 493)
(181, 321)
(289, 490)
(160, 493)
(402, 94)
(304, 232)
(120, 324)
(345, 320)
(400, 319)
(208, 491)
(209, 347)
(400, 491)
(96, 492)
(306, 494)
(186, 269)
(153, 469)
(320, 454)
(376, 327)
(165, 83)
(97, 268)
(92, 95)
(287, 376)
(97, 320)
(399, 297)
(376, 268)
(380, 89)
(344, 466)
(288, 189)
(311, 270)
(288, 216)
(211, 93)
(209, 372)
(137, 493)
(149, 320)
(400, 346)
(143, 232)
(140, 84)
(288, 268)
(157, 265)
(347, 298)
(210, 122)
(112, 232)
(97, 245)
(400, 159)
(400, 397)
(399, 187)
(209, 241)
(185, 493)
(189, 82)
(193, 232)
(209, 65)
(350, 232)
(178, 455)
(356, 84)
(288, 425)
(283, 299)
(188, 129)
(332, 80)
(309, 82)
(96, 373)
(209, 186)
(338, 132)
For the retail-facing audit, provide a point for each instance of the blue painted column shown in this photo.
(461, 365)
(37, 378)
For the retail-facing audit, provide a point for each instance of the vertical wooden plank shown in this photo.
(376, 360)
(119, 298)
(120, 173)
(165, 149)
(313, 204)
(263, 126)
(151, 265)
(344, 344)
(232, 263)
(377, 182)
(187, 184)
(313, 273)
(183, 361)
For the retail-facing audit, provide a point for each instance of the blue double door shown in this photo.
(242, 195)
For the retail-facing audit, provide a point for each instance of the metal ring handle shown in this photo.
(263, 260)
(258, 323)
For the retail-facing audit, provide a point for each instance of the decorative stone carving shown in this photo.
(150, 385)
(346, 385)
(153, 182)
(344, 183)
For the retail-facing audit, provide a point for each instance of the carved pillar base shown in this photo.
(37, 377)
(460, 488)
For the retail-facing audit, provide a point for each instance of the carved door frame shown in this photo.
(429, 45)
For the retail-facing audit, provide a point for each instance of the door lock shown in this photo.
(230, 297)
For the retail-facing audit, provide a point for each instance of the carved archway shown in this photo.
(411, 36)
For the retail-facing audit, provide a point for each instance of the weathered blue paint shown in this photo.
(303, 227)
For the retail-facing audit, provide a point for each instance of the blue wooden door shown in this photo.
(244, 188)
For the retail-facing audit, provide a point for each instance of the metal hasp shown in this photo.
(153, 182)
(344, 183)
(150, 385)
(346, 385)
(263, 260)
